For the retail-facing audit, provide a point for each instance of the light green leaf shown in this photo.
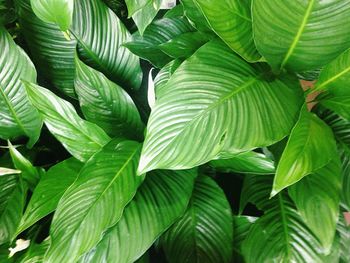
(12, 201)
(17, 116)
(341, 104)
(344, 233)
(231, 21)
(51, 52)
(100, 35)
(317, 199)
(59, 12)
(135, 5)
(106, 103)
(161, 199)
(164, 75)
(81, 138)
(29, 173)
(215, 84)
(7, 171)
(36, 252)
(205, 231)
(249, 162)
(300, 35)
(49, 191)
(310, 146)
(95, 201)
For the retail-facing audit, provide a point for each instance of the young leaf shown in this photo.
(81, 138)
(300, 35)
(59, 12)
(161, 199)
(49, 191)
(231, 21)
(17, 116)
(95, 201)
(205, 232)
(310, 146)
(106, 104)
(204, 91)
(93, 24)
(317, 199)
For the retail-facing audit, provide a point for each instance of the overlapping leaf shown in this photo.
(195, 15)
(301, 35)
(81, 138)
(95, 201)
(242, 225)
(161, 199)
(215, 88)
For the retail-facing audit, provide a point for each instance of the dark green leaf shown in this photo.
(195, 15)
(242, 225)
(36, 252)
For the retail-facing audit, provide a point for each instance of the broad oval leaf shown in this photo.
(49, 191)
(95, 201)
(231, 21)
(205, 232)
(100, 35)
(59, 12)
(106, 104)
(17, 116)
(81, 138)
(301, 35)
(317, 199)
(215, 88)
(161, 199)
(310, 146)
(249, 162)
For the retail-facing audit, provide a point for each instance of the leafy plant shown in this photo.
(133, 133)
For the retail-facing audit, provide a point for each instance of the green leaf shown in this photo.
(7, 171)
(100, 35)
(164, 75)
(161, 199)
(215, 84)
(106, 103)
(17, 116)
(159, 32)
(12, 201)
(341, 104)
(95, 201)
(135, 5)
(205, 231)
(49, 191)
(52, 53)
(59, 12)
(7, 12)
(36, 252)
(345, 155)
(195, 15)
(310, 146)
(300, 35)
(249, 162)
(231, 21)
(81, 138)
(242, 225)
(317, 199)
(28, 172)
(344, 233)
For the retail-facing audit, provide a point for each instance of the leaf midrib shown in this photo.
(284, 224)
(332, 79)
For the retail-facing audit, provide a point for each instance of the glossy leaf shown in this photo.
(59, 12)
(135, 5)
(215, 84)
(344, 233)
(100, 35)
(52, 53)
(49, 191)
(205, 231)
(159, 32)
(341, 105)
(95, 201)
(231, 21)
(310, 146)
(12, 201)
(7, 171)
(164, 75)
(195, 15)
(242, 226)
(249, 162)
(106, 104)
(161, 199)
(36, 252)
(65, 124)
(300, 35)
(317, 199)
(17, 116)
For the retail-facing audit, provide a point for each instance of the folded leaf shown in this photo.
(17, 116)
(95, 201)
(310, 146)
(300, 35)
(214, 84)
(161, 199)
(81, 138)
(49, 191)
(205, 232)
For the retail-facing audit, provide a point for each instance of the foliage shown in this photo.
(133, 133)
